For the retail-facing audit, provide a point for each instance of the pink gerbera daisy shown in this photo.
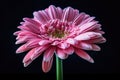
(61, 32)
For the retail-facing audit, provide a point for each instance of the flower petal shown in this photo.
(68, 14)
(38, 51)
(22, 40)
(97, 40)
(27, 59)
(84, 55)
(61, 54)
(22, 48)
(69, 50)
(46, 65)
(88, 36)
(71, 41)
(95, 47)
(63, 45)
(59, 12)
(39, 16)
(33, 22)
(89, 26)
(88, 46)
(44, 42)
(52, 12)
(79, 18)
(87, 20)
(27, 63)
(49, 53)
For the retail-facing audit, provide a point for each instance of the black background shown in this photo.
(106, 61)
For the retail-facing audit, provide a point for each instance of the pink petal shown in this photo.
(69, 50)
(85, 46)
(27, 63)
(22, 40)
(32, 27)
(22, 48)
(33, 22)
(88, 46)
(55, 43)
(89, 26)
(26, 33)
(95, 47)
(46, 65)
(61, 54)
(88, 36)
(71, 41)
(27, 59)
(84, 55)
(33, 42)
(63, 45)
(23, 28)
(79, 18)
(59, 12)
(49, 53)
(52, 12)
(97, 40)
(16, 33)
(68, 14)
(39, 51)
(44, 42)
(39, 16)
(27, 46)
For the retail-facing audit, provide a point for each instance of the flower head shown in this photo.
(61, 32)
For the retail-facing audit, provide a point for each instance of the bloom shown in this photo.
(61, 32)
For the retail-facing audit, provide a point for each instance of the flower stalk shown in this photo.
(59, 69)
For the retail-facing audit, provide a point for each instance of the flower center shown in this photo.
(58, 34)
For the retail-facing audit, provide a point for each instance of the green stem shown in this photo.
(59, 69)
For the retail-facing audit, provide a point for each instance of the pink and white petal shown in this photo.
(89, 26)
(76, 13)
(26, 33)
(32, 27)
(63, 45)
(61, 54)
(85, 46)
(22, 40)
(52, 12)
(39, 16)
(44, 42)
(79, 18)
(27, 58)
(26, 47)
(59, 12)
(69, 50)
(54, 43)
(39, 51)
(27, 63)
(71, 41)
(89, 19)
(68, 14)
(33, 42)
(46, 65)
(97, 40)
(33, 22)
(88, 36)
(83, 55)
(49, 53)
(88, 46)
(16, 33)
(23, 28)
(22, 48)
(95, 47)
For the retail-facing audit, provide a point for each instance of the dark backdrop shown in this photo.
(106, 61)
